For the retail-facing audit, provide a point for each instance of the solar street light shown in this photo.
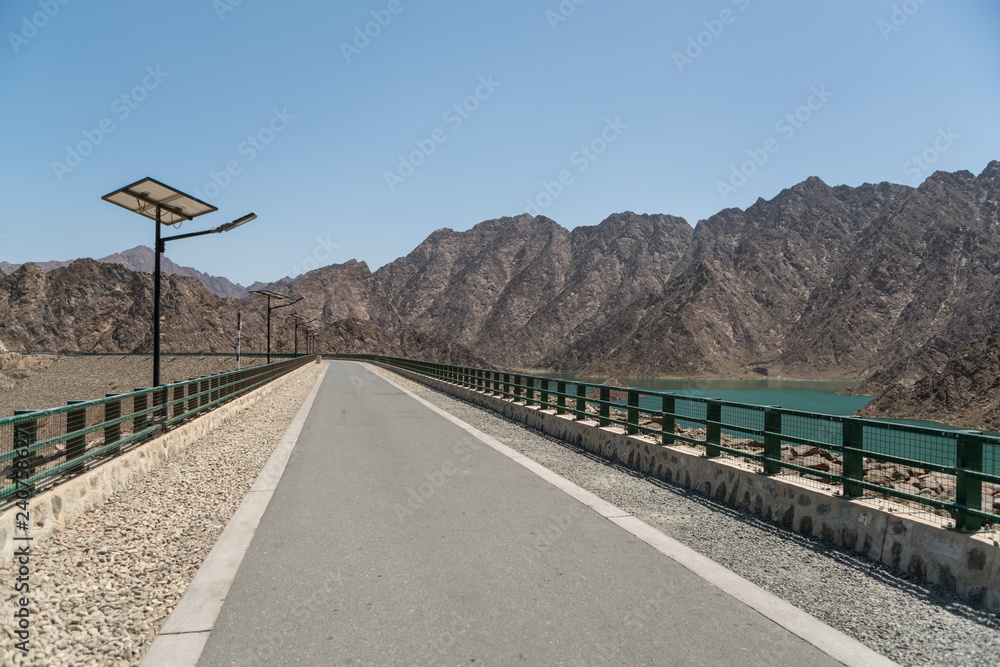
(166, 206)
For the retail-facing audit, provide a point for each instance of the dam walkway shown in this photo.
(396, 534)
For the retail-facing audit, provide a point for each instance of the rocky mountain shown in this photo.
(336, 292)
(920, 284)
(883, 283)
(965, 392)
(101, 307)
(880, 282)
(520, 289)
(141, 258)
(820, 282)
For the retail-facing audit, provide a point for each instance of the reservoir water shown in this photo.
(807, 396)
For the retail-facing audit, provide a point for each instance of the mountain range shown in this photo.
(141, 258)
(883, 284)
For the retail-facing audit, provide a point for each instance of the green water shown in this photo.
(804, 396)
(807, 396)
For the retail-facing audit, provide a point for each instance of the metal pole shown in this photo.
(239, 331)
(296, 351)
(156, 303)
(268, 329)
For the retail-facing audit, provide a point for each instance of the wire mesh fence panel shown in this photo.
(745, 434)
(43, 448)
(692, 408)
(908, 463)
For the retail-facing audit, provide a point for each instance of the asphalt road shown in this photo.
(395, 537)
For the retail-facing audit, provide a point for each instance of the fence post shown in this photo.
(506, 385)
(160, 396)
(854, 462)
(713, 432)
(772, 440)
(544, 403)
(581, 402)
(113, 432)
(667, 420)
(139, 403)
(529, 391)
(560, 398)
(76, 420)
(517, 388)
(192, 403)
(604, 410)
(633, 412)
(968, 492)
(25, 435)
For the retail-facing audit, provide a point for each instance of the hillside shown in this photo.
(880, 283)
(965, 392)
(97, 307)
(141, 258)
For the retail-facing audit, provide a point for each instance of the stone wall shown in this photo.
(57, 507)
(968, 564)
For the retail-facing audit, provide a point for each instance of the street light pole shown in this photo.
(267, 294)
(156, 302)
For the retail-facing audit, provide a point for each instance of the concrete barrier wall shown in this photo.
(968, 564)
(57, 507)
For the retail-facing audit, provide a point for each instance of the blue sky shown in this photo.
(350, 145)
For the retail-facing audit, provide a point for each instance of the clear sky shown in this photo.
(353, 145)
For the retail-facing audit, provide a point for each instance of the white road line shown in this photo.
(834, 643)
(183, 637)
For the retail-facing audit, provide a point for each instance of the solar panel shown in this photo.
(144, 196)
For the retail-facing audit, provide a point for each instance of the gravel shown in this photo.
(103, 587)
(909, 621)
(36, 382)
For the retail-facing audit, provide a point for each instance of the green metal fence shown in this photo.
(952, 477)
(40, 449)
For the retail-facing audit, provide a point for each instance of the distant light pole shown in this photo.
(166, 206)
(300, 321)
(267, 294)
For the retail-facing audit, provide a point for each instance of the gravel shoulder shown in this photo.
(908, 621)
(37, 382)
(102, 588)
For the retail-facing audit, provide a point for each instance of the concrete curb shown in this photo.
(834, 643)
(183, 637)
